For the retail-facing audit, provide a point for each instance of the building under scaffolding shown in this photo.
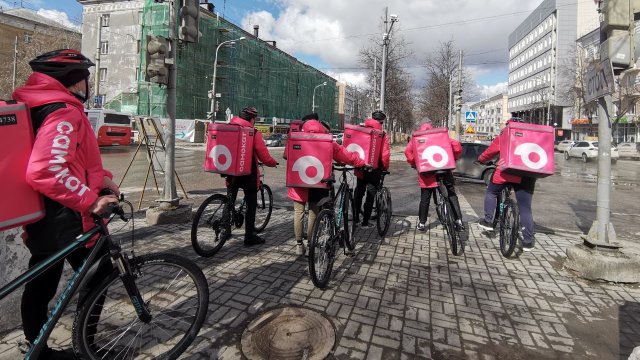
(252, 72)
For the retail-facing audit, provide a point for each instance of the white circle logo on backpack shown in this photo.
(429, 155)
(526, 149)
(216, 152)
(302, 164)
(353, 147)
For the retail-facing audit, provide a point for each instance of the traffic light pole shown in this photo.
(170, 197)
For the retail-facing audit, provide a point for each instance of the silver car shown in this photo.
(629, 150)
(467, 166)
(565, 145)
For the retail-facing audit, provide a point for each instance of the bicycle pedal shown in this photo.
(350, 253)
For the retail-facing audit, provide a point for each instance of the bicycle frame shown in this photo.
(502, 198)
(77, 280)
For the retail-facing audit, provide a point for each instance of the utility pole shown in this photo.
(385, 36)
(375, 83)
(459, 107)
(96, 86)
(450, 104)
(169, 195)
(15, 61)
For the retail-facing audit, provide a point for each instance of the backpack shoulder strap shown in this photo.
(40, 113)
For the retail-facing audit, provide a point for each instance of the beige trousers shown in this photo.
(298, 213)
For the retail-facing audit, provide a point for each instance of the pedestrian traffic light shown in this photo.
(156, 54)
(617, 41)
(189, 17)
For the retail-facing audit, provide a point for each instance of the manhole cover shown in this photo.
(288, 333)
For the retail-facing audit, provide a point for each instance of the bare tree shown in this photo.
(398, 83)
(30, 46)
(442, 70)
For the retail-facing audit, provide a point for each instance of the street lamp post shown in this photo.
(313, 99)
(212, 113)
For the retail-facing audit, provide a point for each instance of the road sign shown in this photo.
(470, 130)
(599, 80)
(470, 116)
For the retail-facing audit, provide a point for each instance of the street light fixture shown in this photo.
(385, 44)
(212, 114)
(313, 99)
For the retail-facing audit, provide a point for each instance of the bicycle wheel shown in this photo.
(440, 204)
(509, 227)
(322, 248)
(174, 290)
(264, 208)
(207, 236)
(457, 247)
(385, 211)
(349, 221)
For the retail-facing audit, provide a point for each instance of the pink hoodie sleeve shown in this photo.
(386, 152)
(341, 155)
(457, 148)
(491, 152)
(261, 151)
(408, 153)
(49, 171)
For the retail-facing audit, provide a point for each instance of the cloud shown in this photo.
(487, 91)
(59, 17)
(334, 31)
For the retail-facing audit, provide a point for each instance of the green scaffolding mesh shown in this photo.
(251, 72)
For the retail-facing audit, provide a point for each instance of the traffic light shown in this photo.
(189, 19)
(457, 100)
(617, 30)
(156, 54)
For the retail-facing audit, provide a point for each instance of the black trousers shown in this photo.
(369, 184)
(249, 184)
(59, 227)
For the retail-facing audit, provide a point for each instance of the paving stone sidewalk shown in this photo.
(406, 297)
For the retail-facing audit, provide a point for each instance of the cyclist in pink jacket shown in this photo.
(428, 184)
(249, 183)
(300, 196)
(66, 168)
(368, 180)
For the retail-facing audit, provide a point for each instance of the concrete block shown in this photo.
(621, 265)
(176, 215)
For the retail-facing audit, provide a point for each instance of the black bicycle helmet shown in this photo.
(379, 115)
(249, 113)
(65, 65)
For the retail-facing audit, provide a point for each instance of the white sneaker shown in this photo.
(420, 227)
(301, 249)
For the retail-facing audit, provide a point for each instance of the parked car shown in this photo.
(468, 167)
(276, 140)
(564, 145)
(629, 150)
(555, 145)
(338, 138)
(586, 150)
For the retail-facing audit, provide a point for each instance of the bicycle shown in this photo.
(218, 213)
(333, 226)
(140, 300)
(383, 209)
(446, 215)
(507, 217)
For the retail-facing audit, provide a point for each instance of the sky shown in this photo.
(328, 34)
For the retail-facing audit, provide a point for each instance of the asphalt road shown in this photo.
(565, 202)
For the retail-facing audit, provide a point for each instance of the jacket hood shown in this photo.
(240, 121)
(314, 126)
(426, 126)
(373, 123)
(41, 89)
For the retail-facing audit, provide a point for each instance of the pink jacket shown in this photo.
(259, 147)
(65, 164)
(385, 156)
(428, 180)
(499, 177)
(340, 155)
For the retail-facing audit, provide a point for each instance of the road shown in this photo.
(565, 202)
